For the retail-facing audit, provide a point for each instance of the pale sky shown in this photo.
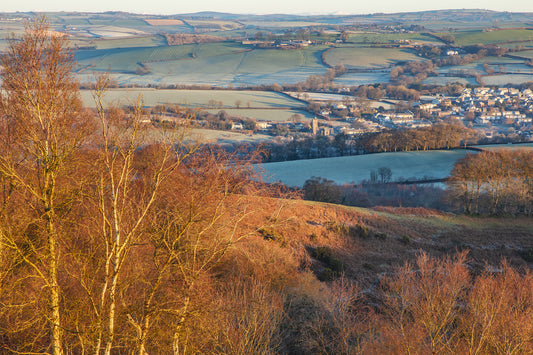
(262, 7)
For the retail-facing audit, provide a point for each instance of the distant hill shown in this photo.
(454, 15)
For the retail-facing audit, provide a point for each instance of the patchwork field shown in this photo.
(197, 98)
(355, 169)
(274, 115)
(219, 64)
(504, 79)
(368, 57)
(213, 24)
(280, 24)
(133, 49)
(129, 42)
(353, 79)
(490, 37)
(506, 146)
(386, 38)
(164, 22)
(443, 80)
(525, 54)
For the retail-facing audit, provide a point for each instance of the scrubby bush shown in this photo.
(359, 231)
(527, 255)
(325, 254)
(405, 239)
(270, 234)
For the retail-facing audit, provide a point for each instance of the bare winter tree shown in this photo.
(42, 128)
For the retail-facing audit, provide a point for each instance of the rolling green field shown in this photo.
(513, 71)
(127, 59)
(443, 80)
(368, 57)
(214, 24)
(267, 115)
(500, 36)
(196, 98)
(219, 64)
(506, 146)
(352, 79)
(370, 37)
(134, 50)
(525, 54)
(354, 169)
(132, 42)
(504, 79)
(528, 45)
(280, 24)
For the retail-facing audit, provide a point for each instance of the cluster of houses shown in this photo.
(501, 108)
(279, 44)
(491, 111)
(405, 119)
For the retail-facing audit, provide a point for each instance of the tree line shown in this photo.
(494, 182)
(438, 136)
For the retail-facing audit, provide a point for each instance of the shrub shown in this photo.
(527, 255)
(368, 266)
(359, 230)
(270, 234)
(381, 236)
(405, 239)
(323, 190)
(338, 228)
(325, 254)
(327, 275)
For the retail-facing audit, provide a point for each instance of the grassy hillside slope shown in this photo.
(397, 235)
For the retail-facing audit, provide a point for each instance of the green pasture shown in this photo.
(258, 66)
(497, 63)
(232, 33)
(466, 38)
(127, 59)
(74, 21)
(368, 57)
(221, 24)
(355, 169)
(283, 115)
(500, 80)
(219, 64)
(525, 54)
(197, 98)
(268, 60)
(441, 25)
(353, 79)
(219, 48)
(506, 146)
(444, 80)
(520, 45)
(130, 42)
(281, 24)
(115, 31)
(389, 38)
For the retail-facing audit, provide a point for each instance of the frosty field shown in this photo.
(354, 169)
(197, 98)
